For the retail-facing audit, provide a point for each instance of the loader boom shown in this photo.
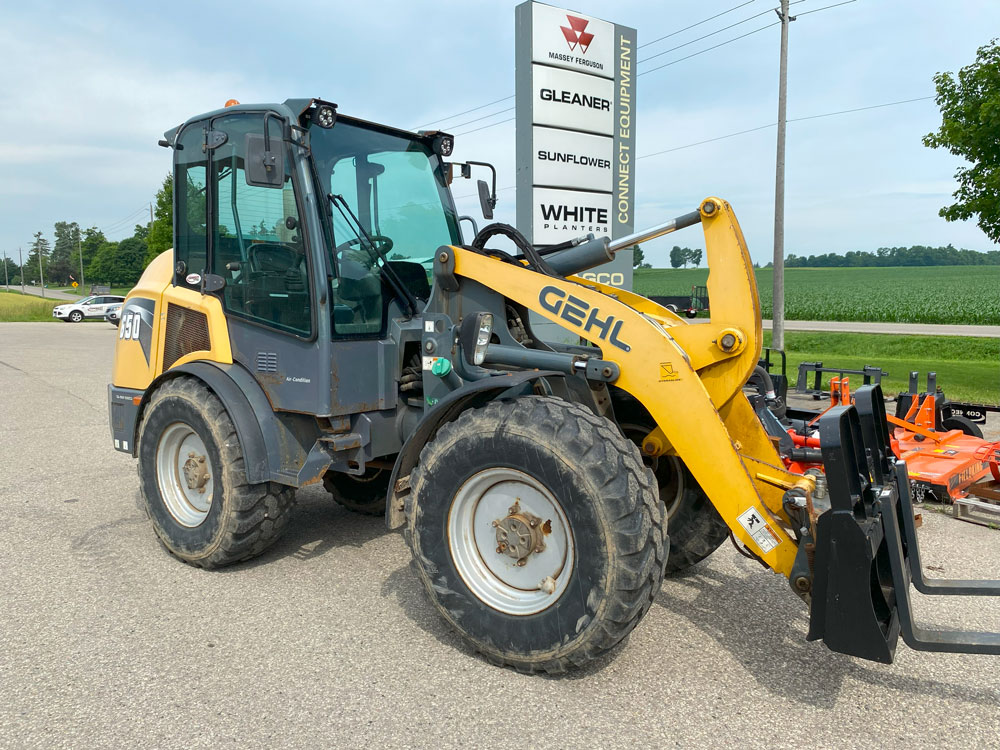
(674, 368)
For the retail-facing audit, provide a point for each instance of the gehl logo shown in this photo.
(582, 315)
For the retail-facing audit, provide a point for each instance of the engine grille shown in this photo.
(187, 331)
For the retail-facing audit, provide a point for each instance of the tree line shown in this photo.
(86, 256)
(917, 255)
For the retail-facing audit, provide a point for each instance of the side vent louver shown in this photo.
(187, 331)
(267, 361)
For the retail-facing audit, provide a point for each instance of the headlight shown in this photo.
(325, 116)
(474, 336)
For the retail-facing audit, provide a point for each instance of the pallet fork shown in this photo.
(866, 553)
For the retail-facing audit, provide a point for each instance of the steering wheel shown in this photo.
(380, 240)
(272, 257)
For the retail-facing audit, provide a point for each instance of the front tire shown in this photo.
(193, 480)
(537, 532)
(76, 316)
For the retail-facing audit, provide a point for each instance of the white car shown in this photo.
(114, 315)
(95, 306)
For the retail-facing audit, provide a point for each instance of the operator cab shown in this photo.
(314, 227)
(377, 196)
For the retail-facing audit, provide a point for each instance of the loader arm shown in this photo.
(688, 376)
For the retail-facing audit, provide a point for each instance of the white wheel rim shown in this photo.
(184, 475)
(495, 578)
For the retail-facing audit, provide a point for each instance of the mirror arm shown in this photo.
(493, 171)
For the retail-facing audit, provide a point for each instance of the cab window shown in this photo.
(190, 204)
(257, 244)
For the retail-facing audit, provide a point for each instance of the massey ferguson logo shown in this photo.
(575, 34)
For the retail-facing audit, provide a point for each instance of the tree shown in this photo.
(637, 257)
(695, 257)
(141, 231)
(93, 238)
(12, 270)
(970, 120)
(63, 252)
(676, 257)
(130, 260)
(102, 267)
(161, 232)
(39, 248)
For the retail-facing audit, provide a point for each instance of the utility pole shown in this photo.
(79, 251)
(150, 217)
(41, 276)
(778, 295)
(20, 260)
(6, 281)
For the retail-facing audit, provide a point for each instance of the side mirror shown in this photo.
(486, 201)
(265, 161)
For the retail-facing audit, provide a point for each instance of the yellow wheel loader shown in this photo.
(321, 319)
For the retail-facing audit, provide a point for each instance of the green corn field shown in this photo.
(923, 294)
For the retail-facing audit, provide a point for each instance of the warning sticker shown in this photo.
(667, 372)
(758, 529)
(428, 362)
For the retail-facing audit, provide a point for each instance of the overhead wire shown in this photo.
(117, 226)
(464, 112)
(791, 119)
(719, 31)
(688, 28)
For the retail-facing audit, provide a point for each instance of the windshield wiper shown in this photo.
(377, 256)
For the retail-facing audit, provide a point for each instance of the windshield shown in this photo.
(393, 184)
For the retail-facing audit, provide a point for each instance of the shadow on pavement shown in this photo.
(739, 613)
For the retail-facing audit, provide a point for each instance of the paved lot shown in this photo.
(49, 293)
(327, 640)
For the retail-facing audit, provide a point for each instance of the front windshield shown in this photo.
(392, 183)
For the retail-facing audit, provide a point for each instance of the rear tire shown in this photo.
(966, 425)
(562, 470)
(193, 480)
(363, 494)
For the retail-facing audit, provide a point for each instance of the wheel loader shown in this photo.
(321, 319)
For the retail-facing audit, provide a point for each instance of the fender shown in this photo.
(472, 394)
(256, 423)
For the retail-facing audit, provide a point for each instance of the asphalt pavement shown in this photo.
(918, 329)
(327, 640)
(37, 292)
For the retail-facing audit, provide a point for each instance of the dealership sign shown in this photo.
(575, 98)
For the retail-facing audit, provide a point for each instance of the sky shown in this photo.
(89, 87)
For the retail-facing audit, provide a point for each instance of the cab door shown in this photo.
(254, 240)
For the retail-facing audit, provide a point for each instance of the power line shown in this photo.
(509, 119)
(708, 49)
(121, 223)
(706, 36)
(825, 7)
(484, 117)
(687, 28)
(791, 119)
(465, 112)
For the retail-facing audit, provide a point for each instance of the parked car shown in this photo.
(95, 306)
(114, 315)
